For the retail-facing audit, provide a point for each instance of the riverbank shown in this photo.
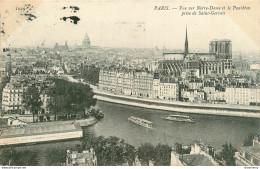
(182, 107)
(82, 122)
(176, 106)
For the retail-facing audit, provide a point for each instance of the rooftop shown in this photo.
(37, 130)
(196, 160)
(255, 151)
(220, 40)
(13, 86)
(86, 158)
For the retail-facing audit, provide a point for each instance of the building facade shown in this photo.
(126, 81)
(223, 48)
(143, 84)
(165, 88)
(192, 95)
(12, 98)
(243, 96)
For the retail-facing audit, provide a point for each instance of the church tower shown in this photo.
(186, 47)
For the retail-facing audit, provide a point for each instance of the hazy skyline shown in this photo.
(127, 24)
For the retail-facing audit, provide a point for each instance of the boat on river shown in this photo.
(141, 122)
(180, 118)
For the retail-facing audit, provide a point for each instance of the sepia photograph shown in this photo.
(129, 83)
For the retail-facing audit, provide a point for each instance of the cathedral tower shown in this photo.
(186, 47)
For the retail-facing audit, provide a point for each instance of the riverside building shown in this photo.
(165, 88)
(138, 83)
(243, 96)
(126, 81)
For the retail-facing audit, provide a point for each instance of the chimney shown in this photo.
(255, 141)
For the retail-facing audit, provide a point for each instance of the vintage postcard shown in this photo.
(129, 83)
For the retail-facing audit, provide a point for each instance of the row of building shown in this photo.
(12, 95)
(146, 84)
(202, 154)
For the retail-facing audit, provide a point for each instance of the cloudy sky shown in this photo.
(129, 24)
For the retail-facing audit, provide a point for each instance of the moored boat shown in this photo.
(180, 118)
(141, 122)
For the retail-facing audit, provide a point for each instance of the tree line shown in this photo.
(90, 73)
(113, 151)
(66, 98)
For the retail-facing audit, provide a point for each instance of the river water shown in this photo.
(215, 130)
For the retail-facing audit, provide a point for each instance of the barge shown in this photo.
(141, 122)
(180, 118)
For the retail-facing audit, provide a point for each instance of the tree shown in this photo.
(6, 156)
(55, 157)
(248, 141)
(162, 155)
(181, 150)
(115, 148)
(178, 148)
(227, 154)
(11, 157)
(32, 100)
(109, 151)
(146, 153)
(25, 158)
(129, 154)
(90, 73)
(67, 97)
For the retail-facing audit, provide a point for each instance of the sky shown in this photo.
(127, 24)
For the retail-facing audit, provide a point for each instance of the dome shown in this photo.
(86, 41)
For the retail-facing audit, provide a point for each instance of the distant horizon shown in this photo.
(153, 48)
(129, 47)
(124, 25)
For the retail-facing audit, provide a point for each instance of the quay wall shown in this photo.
(182, 107)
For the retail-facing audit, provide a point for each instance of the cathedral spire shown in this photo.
(186, 48)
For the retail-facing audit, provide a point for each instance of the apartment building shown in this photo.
(126, 81)
(168, 89)
(192, 95)
(143, 84)
(12, 98)
(243, 96)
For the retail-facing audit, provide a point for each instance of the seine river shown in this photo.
(215, 130)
